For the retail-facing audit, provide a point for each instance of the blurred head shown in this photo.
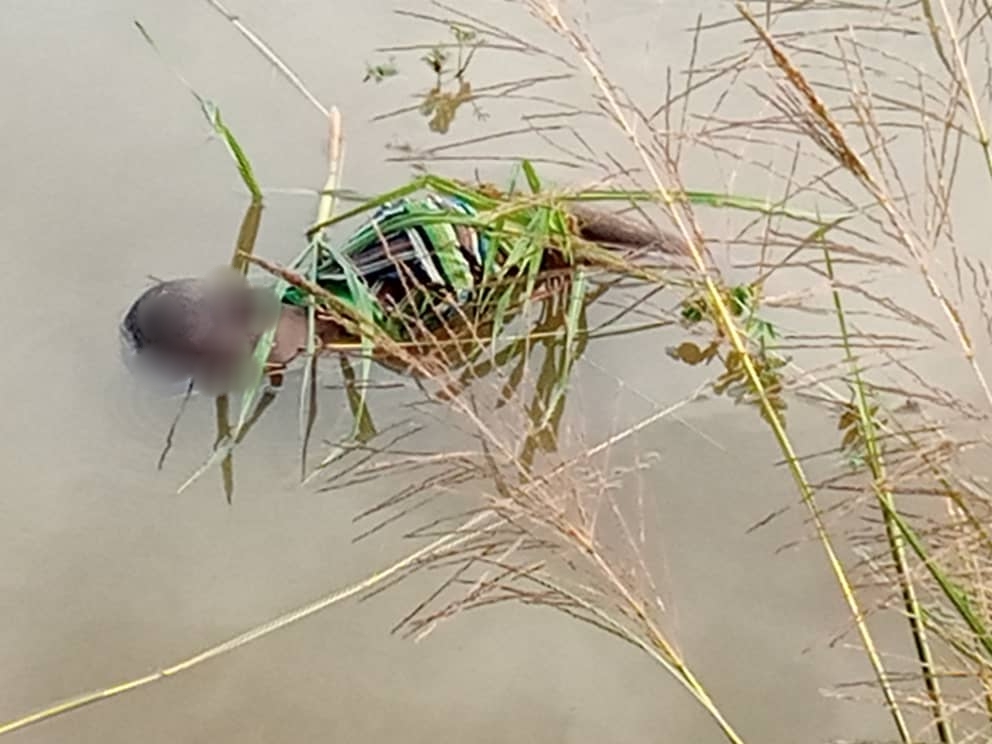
(196, 328)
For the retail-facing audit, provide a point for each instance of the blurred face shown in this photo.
(204, 329)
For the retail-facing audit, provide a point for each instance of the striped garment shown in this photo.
(408, 243)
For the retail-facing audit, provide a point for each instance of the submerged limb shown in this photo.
(612, 230)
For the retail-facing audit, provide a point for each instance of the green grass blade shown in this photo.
(574, 331)
(364, 428)
(531, 175)
(894, 533)
(212, 113)
(221, 406)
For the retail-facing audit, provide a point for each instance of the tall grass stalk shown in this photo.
(550, 12)
(945, 602)
(325, 208)
(869, 435)
(825, 131)
(446, 542)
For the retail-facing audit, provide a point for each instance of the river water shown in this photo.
(111, 175)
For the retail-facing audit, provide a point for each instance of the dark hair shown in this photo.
(194, 327)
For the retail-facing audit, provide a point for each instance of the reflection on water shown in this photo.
(107, 573)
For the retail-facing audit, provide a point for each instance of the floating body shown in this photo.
(414, 253)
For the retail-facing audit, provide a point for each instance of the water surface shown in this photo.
(106, 574)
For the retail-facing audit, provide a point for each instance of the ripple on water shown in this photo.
(138, 407)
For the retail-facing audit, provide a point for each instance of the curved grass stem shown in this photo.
(897, 544)
(548, 9)
(467, 531)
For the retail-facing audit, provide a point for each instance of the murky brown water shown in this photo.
(106, 574)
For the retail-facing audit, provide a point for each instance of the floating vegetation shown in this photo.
(440, 106)
(451, 89)
(735, 380)
(380, 72)
(448, 62)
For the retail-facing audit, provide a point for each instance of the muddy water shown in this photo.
(106, 574)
